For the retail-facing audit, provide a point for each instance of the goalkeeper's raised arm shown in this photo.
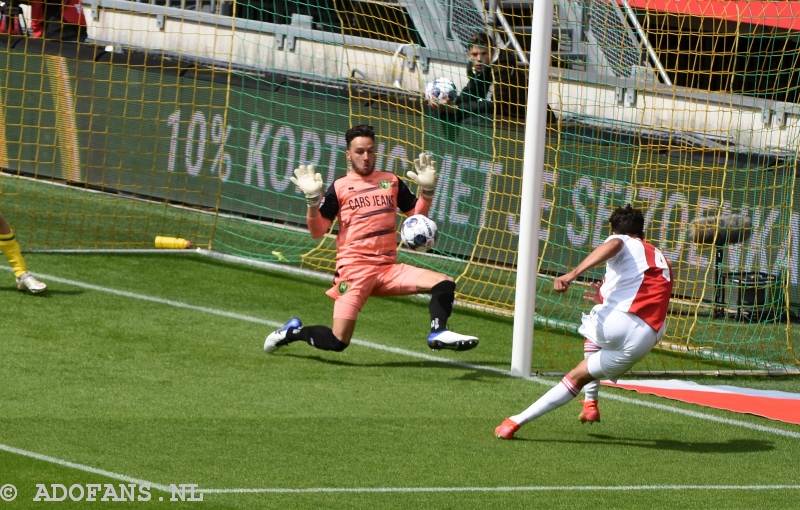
(310, 183)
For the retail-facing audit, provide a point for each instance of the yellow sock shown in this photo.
(10, 248)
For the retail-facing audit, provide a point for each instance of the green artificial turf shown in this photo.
(151, 368)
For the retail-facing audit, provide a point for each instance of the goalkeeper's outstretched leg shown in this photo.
(321, 337)
(443, 295)
(354, 285)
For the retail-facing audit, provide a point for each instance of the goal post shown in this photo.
(530, 210)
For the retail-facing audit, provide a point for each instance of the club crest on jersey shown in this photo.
(385, 184)
(343, 287)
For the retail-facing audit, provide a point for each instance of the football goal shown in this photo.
(186, 118)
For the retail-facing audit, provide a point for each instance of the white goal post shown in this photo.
(531, 210)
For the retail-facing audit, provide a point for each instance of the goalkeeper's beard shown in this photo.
(364, 170)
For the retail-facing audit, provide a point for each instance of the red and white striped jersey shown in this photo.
(638, 280)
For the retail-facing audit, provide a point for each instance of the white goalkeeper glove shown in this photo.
(309, 183)
(426, 175)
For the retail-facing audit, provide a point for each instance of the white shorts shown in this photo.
(624, 339)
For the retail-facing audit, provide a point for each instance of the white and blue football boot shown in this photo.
(447, 339)
(277, 338)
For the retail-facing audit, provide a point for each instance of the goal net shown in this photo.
(186, 118)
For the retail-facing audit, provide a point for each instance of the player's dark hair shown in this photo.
(480, 39)
(357, 131)
(627, 221)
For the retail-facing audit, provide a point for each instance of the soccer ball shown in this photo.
(440, 88)
(419, 232)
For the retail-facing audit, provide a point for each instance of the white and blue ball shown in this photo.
(419, 233)
(440, 89)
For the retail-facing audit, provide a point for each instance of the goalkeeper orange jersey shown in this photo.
(367, 211)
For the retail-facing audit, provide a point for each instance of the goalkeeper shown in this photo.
(11, 250)
(365, 202)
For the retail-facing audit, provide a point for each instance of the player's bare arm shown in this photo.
(599, 255)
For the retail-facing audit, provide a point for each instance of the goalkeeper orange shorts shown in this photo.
(353, 285)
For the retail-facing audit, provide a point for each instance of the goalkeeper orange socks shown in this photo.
(10, 248)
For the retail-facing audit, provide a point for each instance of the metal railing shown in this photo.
(643, 37)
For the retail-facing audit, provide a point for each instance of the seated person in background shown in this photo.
(497, 86)
(510, 90)
(476, 97)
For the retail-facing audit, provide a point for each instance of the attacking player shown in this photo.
(10, 248)
(365, 202)
(626, 323)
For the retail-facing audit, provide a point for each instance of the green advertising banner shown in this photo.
(224, 145)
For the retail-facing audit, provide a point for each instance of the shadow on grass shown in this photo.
(729, 446)
(43, 295)
(472, 375)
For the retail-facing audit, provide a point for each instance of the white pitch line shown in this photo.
(82, 467)
(222, 313)
(312, 490)
(428, 357)
(542, 488)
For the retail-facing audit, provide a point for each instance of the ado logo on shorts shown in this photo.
(343, 287)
